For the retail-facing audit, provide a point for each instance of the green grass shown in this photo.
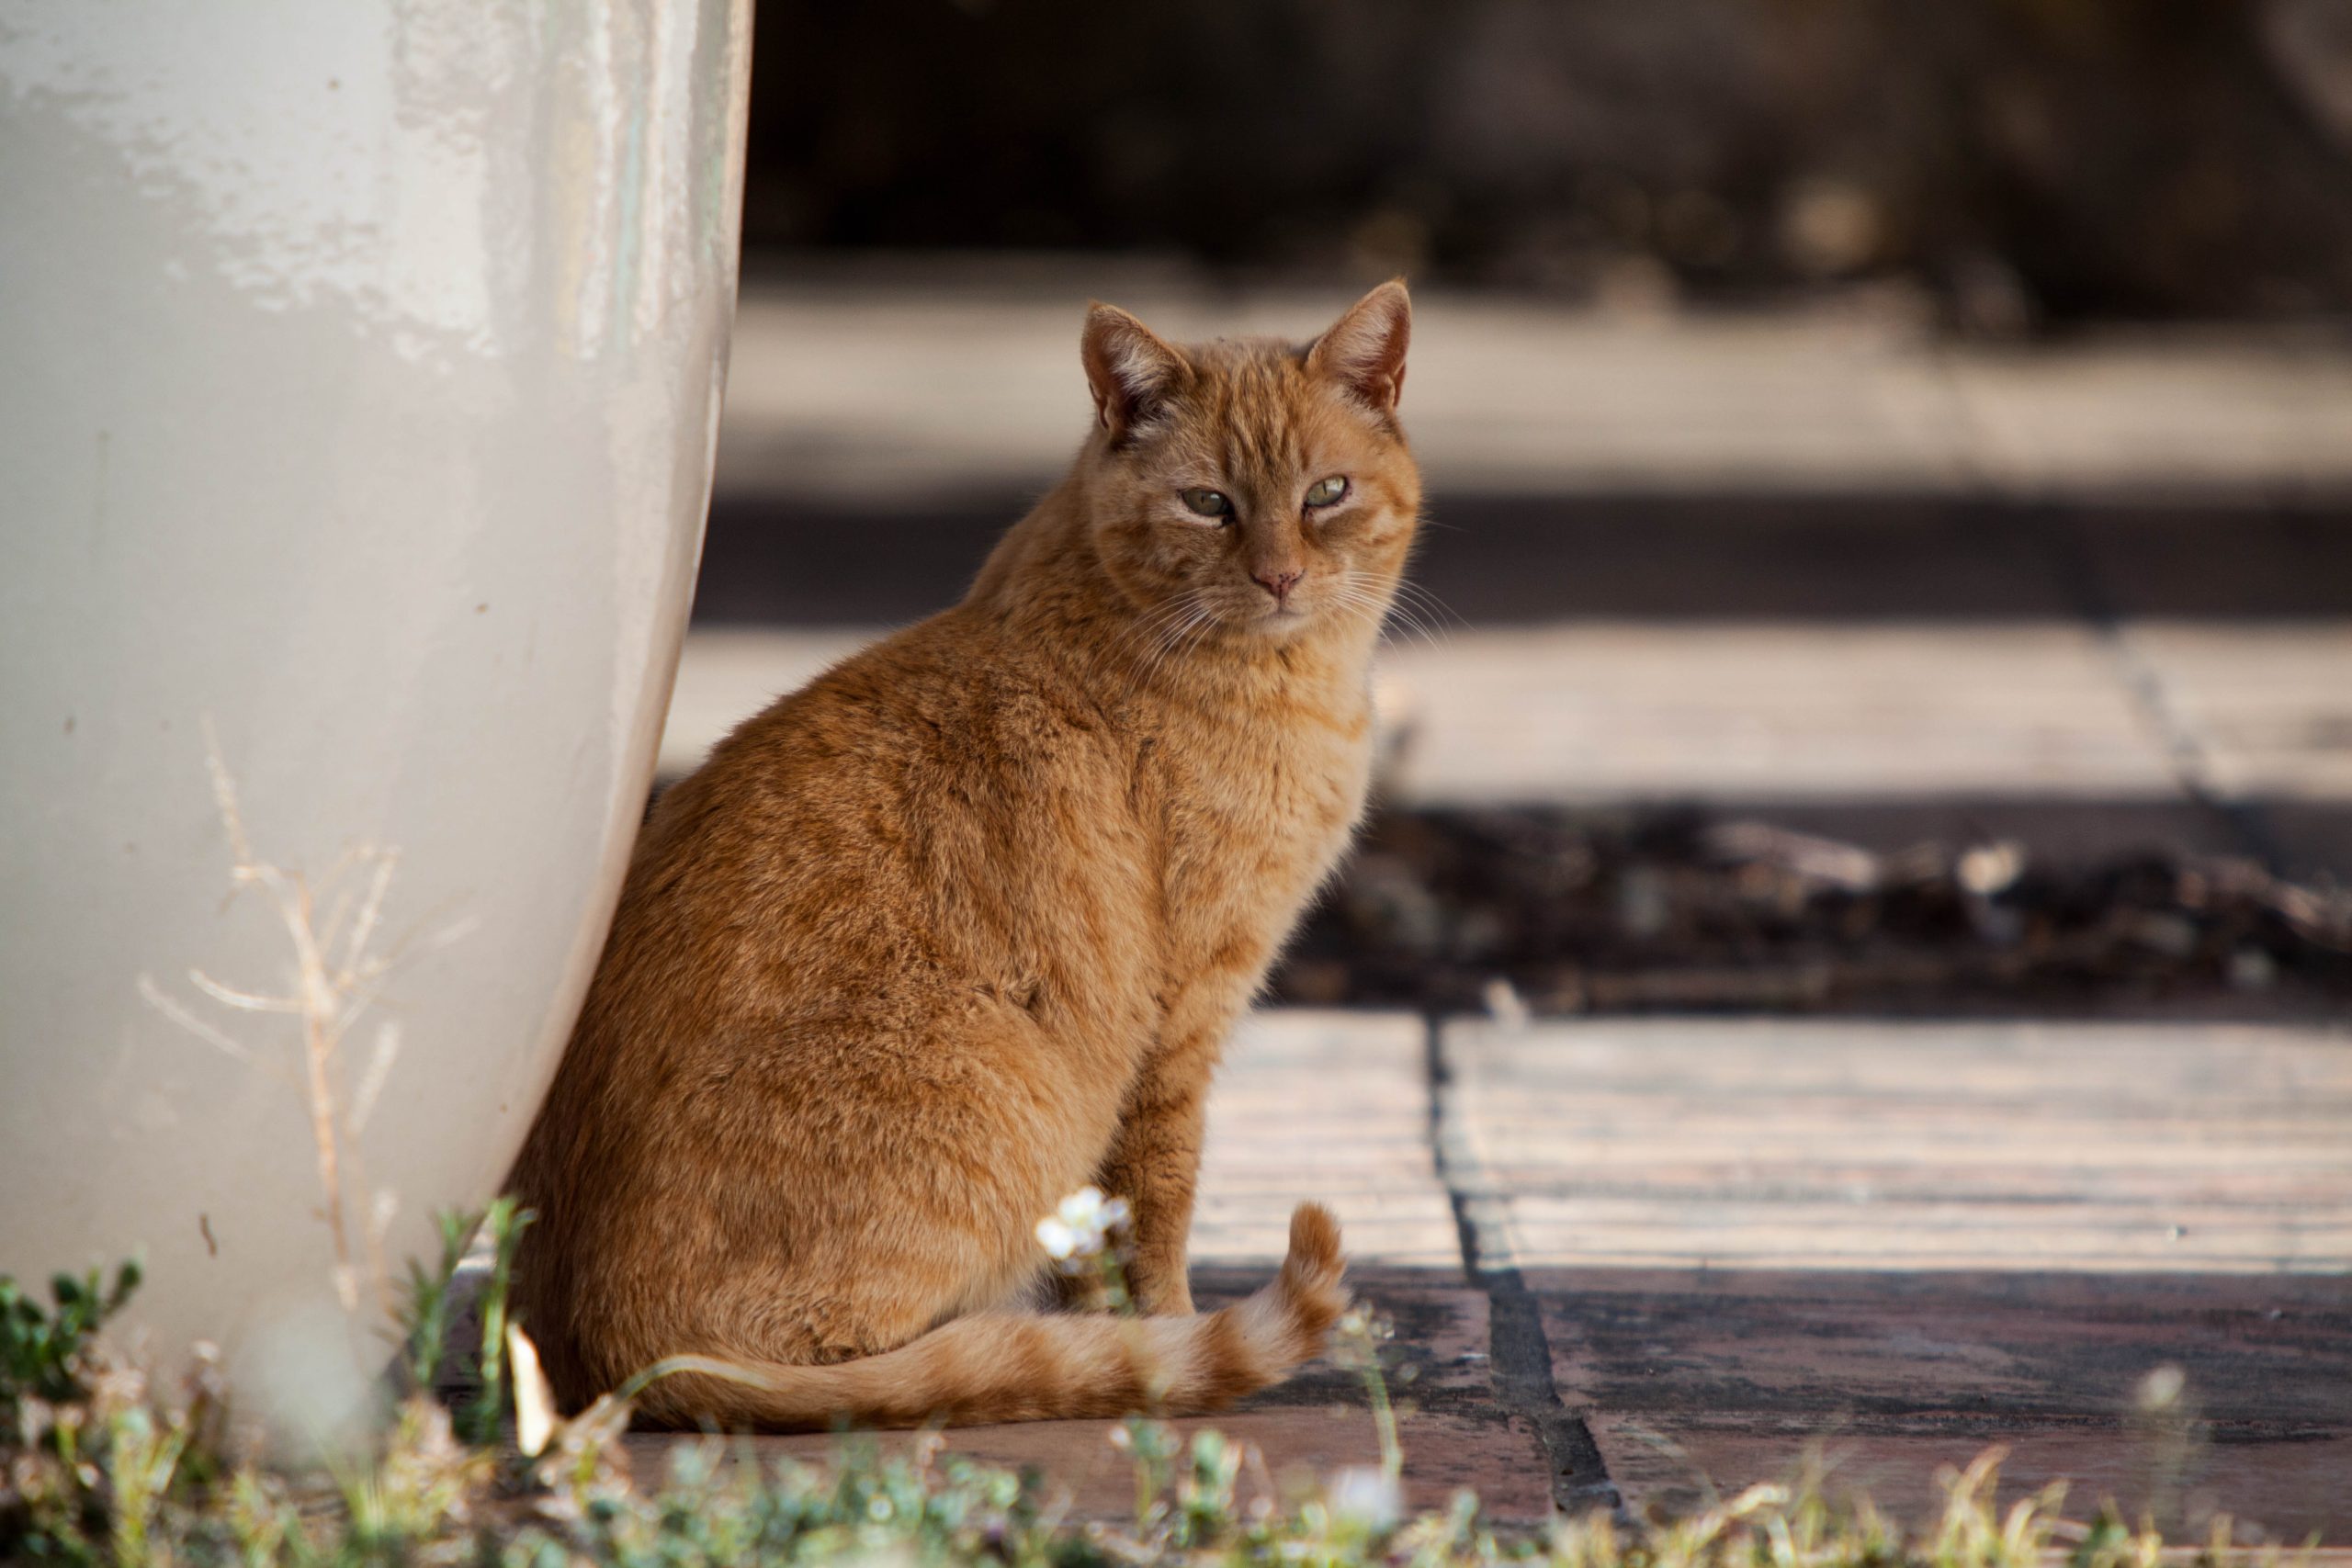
(42, 1350)
(96, 1467)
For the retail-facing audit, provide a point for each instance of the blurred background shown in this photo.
(1889, 464)
(2009, 164)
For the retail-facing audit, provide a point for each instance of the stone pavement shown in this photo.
(1639, 1264)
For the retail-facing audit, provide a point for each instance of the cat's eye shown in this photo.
(1209, 502)
(1323, 492)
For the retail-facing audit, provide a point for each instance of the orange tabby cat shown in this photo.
(963, 925)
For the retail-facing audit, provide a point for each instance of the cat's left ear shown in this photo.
(1128, 367)
(1364, 350)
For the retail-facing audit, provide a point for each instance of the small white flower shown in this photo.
(1058, 1240)
(1082, 1210)
(2162, 1388)
(1365, 1496)
(1081, 1226)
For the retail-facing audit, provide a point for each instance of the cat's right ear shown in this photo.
(1130, 369)
(1364, 350)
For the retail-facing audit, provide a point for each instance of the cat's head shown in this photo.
(1252, 486)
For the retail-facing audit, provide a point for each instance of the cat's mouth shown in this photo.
(1284, 617)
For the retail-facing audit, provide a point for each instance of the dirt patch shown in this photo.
(1558, 912)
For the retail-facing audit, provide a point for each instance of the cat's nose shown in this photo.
(1279, 583)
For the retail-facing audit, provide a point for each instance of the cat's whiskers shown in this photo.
(1174, 636)
(1356, 593)
(1427, 601)
(1419, 613)
(1172, 629)
(1167, 628)
(1150, 628)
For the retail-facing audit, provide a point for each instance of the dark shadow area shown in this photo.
(1494, 560)
(814, 564)
(2174, 1394)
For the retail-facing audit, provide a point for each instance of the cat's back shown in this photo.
(909, 813)
(952, 718)
(960, 692)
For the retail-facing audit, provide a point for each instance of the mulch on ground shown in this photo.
(1556, 911)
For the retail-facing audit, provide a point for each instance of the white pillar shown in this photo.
(360, 371)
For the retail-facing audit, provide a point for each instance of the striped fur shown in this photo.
(1033, 1366)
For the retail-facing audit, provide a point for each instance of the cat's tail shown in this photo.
(1005, 1366)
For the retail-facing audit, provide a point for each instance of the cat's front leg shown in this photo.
(1153, 1164)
